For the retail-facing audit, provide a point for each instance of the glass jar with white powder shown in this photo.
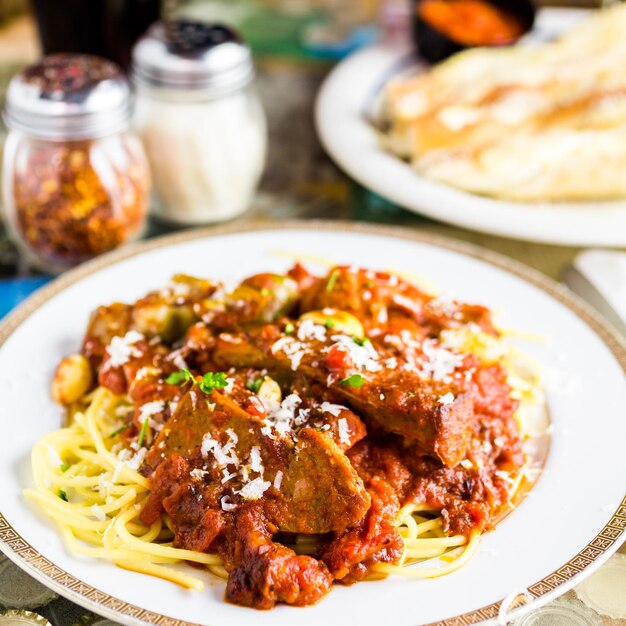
(201, 123)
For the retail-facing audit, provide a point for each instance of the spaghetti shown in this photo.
(95, 498)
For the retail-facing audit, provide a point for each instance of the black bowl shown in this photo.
(434, 46)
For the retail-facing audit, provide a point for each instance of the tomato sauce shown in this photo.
(471, 22)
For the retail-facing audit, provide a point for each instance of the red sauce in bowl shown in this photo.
(471, 22)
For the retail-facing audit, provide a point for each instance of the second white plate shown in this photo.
(353, 143)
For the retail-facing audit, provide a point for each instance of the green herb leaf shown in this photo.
(64, 467)
(369, 284)
(356, 380)
(62, 495)
(329, 323)
(359, 341)
(142, 433)
(180, 377)
(121, 429)
(254, 384)
(332, 279)
(210, 381)
(410, 393)
(213, 380)
(289, 328)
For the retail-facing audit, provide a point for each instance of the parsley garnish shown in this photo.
(356, 380)
(142, 434)
(180, 377)
(329, 323)
(289, 328)
(332, 279)
(410, 393)
(213, 380)
(359, 341)
(254, 384)
(62, 495)
(64, 467)
(210, 381)
(121, 429)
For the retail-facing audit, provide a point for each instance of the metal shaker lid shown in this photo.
(188, 55)
(69, 96)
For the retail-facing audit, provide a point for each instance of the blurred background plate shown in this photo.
(343, 113)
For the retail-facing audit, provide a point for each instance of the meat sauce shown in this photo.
(360, 430)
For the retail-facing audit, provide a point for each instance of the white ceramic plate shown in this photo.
(570, 523)
(352, 141)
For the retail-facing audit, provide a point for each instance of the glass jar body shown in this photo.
(68, 201)
(206, 155)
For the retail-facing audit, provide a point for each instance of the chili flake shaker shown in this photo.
(201, 123)
(75, 181)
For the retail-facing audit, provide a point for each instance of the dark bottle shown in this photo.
(107, 28)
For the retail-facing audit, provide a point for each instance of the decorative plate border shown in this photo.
(592, 555)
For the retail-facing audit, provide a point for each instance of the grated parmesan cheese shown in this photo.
(137, 459)
(227, 504)
(103, 483)
(333, 409)
(302, 417)
(116, 472)
(245, 474)
(445, 304)
(391, 363)
(467, 464)
(448, 398)
(344, 431)
(146, 371)
(440, 363)
(281, 418)
(150, 409)
(278, 479)
(363, 357)
(232, 435)
(226, 476)
(256, 464)
(504, 476)
(291, 348)
(157, 426)
(198, 473)
(122, 348)
(98, 513)
(309, 330)
(178, 360)
(254, 489)
(407, 304)
(224, 455)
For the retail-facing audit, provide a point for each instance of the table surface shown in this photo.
(300, 181)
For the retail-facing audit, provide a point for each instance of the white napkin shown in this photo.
(599, 275)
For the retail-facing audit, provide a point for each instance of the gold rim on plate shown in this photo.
(607, 540)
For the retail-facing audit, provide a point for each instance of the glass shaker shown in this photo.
(75, 181)
(202, 125)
